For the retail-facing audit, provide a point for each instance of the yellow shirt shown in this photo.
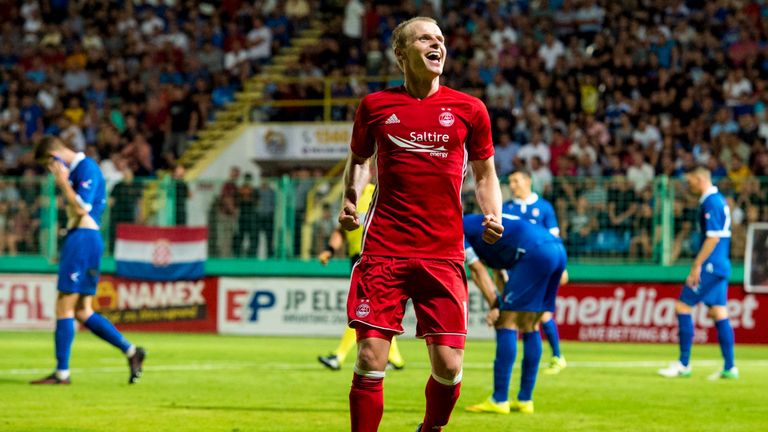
(355, 238)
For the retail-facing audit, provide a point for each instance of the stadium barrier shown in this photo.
(604, 312)
(602, 220)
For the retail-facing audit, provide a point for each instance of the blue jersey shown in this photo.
(88, 182)
(519, 236)
(536, 210)
(715, 221)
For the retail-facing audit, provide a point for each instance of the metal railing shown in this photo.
(601, 219)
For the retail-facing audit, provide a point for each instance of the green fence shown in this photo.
(602, 220)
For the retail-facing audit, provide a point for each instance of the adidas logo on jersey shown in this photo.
(392, 120)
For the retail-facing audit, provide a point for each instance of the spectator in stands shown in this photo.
(125, 202)
(536, 147)
(265, 214)
(182, 194)
(506, 151)
(184, 120)
(640, 173)
(247, 231)
(541, 176)
(580, 227)
(643, 236)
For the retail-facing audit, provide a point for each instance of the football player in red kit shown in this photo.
(420, 136)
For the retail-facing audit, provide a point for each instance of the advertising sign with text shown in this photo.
(27, 301)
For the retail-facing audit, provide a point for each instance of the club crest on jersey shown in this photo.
(535, 212)
(446, 118)
(363, 310)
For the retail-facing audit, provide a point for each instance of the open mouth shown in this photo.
(434, 57)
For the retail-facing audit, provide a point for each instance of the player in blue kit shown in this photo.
(534, 261)
(528, 205)
(82, 185)
(707, 281)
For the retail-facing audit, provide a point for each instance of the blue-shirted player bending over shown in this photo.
(528, 205)
(82, 184)
(708, 280)
(534, 261)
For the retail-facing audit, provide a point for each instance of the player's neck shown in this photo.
(422, 88)
(525, 196)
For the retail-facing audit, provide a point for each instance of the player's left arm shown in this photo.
(488, 194)
(487, 189)
(479, 274)
(718, 225)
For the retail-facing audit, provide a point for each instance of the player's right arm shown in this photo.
(334, 243)
(356, 176)
(357, 173)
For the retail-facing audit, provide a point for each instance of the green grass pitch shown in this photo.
(223, 383)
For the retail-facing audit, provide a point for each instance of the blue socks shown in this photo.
(550, 329)
(63, 337)
(506, 351)
(685, 336)
(104, 329)
(531, 359)
(725, 337)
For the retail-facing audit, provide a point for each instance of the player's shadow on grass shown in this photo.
(275, 409)
(12, 381)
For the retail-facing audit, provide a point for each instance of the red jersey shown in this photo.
(421, 149)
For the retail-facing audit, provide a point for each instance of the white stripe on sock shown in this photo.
(449, 382)
(369, 374)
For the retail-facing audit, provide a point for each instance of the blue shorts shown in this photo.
(80, 260)
(534, 280)
(712, 291)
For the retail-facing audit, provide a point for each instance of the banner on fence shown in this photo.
(645, 312)
(27, 301)
(299, 306)
(186, 306)
(161, 253)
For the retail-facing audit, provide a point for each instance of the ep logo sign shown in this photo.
(243, 304)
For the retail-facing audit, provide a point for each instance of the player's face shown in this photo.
(424, 53)
(519, 185)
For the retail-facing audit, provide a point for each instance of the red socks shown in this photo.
(441, 398)
(366, 403)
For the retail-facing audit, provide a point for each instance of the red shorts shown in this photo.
(381, 286)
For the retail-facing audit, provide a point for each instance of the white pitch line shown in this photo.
(315, 366)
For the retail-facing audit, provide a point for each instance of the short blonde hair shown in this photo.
(400, 37)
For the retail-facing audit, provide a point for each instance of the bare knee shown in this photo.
(527, 321)
(682, 308)
(372, 356)
(65, 305)
(446, 361)
(82, 315)
(718, 313)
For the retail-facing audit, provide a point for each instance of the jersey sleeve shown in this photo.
(363, 142)
(550, 220)
(717, 217)
(480, 146)
(86, 186)
(470, 256)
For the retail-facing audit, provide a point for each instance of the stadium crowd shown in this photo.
(611, 93)
(127, 82)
